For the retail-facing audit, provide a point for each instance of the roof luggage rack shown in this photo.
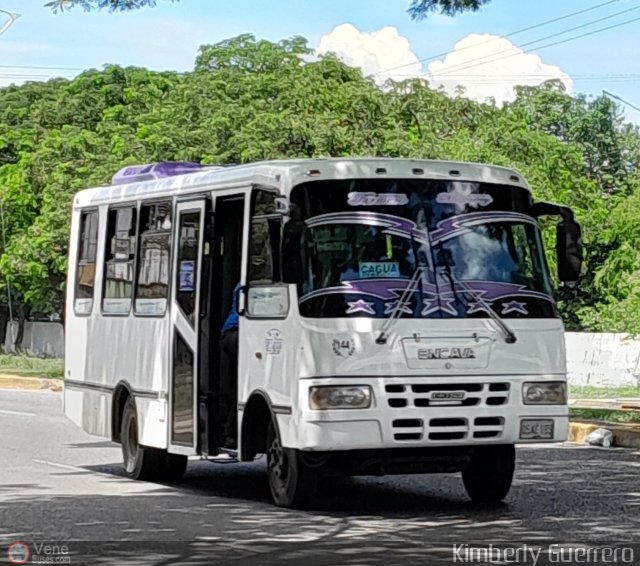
(153, 171)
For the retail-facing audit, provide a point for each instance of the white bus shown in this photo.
(394, 316)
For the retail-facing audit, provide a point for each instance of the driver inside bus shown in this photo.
(229, 369)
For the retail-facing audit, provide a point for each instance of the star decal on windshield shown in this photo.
(479, 306)
(391, 307)
(360, 306)
(514, 306)
(435, 304)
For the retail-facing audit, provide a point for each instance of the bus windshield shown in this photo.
(475, 245)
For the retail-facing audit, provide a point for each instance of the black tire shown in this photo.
(489, 474)
(292, 483)
(175, 466)
(140, 463)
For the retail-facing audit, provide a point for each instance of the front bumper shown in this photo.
(403, 415)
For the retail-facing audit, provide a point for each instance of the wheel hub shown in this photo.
(277, 462)
(132, 445)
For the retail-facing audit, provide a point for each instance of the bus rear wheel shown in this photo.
(488, 476)
(292, 483)
(142, 462)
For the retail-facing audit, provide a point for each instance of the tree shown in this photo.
(111, 5)
(419, 9)
(57, 138)
(250, 99)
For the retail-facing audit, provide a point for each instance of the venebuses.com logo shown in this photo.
(19, 553)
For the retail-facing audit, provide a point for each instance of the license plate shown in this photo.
(536, 429)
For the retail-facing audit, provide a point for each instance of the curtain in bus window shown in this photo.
(152, 286)
(86, 268)
(119, 261)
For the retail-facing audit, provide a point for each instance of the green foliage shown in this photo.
(111, 5)
(590, 392)
(30, 366)
(419, 9)
(604, 415)
(251, 99)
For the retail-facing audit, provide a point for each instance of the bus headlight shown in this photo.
(339, 397)
(544, 393)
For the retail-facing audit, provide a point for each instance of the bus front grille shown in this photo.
(408, 396)
(454, 426)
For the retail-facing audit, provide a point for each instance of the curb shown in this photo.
(624, 436)
(30, 383)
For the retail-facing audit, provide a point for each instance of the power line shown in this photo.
(621, 100)
(532, 42)
(626, 22)
(491, 79)
(32, 77)
(41, 68)
(510, 34)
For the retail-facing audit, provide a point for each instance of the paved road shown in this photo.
(58, 484)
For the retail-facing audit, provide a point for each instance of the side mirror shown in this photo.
(569, 249)
(568, 239)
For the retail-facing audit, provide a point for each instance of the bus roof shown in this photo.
(286, 174)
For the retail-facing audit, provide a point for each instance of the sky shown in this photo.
(478, 51)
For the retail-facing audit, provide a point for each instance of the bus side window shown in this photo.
(266, 230)
(154, 252)
(120, 254)
(86, 268)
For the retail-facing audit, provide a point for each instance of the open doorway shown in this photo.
(218, 390)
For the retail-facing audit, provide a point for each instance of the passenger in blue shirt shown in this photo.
(229, 369)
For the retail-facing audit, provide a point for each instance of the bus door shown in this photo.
(185, 316)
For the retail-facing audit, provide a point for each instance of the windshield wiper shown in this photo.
(402, 302)
(509, 335)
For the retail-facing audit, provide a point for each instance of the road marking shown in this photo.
(19, 413)
(64, 466)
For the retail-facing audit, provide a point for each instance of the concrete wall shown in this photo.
(603, 359)
(40, 338)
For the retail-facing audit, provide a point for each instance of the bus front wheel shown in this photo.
(488, 476)
(292, 483)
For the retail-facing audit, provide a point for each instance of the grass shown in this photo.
(589, 392)
(606, 415)
(31, 366)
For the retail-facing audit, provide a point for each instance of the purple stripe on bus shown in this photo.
(386, 289)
